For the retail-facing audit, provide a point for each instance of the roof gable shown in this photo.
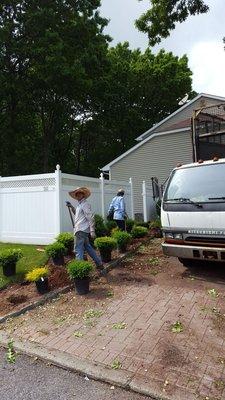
(179, 121)
(183, 113)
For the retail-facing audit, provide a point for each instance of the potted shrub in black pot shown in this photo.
(39, 275)
(67, 239)
(110, 225)
(156, 228)
(57, 251)
(8, 260)
(122, 239)
(139, 231)
(105, 245)
(100, 228)
(129, 224)
(79, 271)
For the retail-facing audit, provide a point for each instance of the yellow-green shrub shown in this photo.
(37, 273)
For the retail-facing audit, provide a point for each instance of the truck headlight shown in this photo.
(178, 236)
(169, 235)
(172, 235)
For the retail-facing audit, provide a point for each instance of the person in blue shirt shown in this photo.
(117, 206)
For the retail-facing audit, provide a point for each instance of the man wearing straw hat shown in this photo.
(84, 225)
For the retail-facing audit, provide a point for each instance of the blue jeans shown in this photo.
(82, 244)
(121, 224)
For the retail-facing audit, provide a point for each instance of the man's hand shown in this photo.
(93, 235)
(69, 205)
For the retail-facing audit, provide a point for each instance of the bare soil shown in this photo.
(148, 266)
(18, 295)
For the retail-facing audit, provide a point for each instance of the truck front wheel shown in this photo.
(190, 263)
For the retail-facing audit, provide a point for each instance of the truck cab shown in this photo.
(193, 212)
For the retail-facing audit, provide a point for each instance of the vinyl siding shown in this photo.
(157, 157)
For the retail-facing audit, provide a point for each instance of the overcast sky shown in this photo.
(200, 38)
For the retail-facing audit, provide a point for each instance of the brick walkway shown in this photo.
(132, 331)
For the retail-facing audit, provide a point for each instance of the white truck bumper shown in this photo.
(194, 252)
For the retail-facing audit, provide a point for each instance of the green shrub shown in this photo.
(123, 239)
(36, 274)
(144, 224)
(114, 230)
(10, 256)
(105, 243)
(55, 250)
(129, 224)
(79, 269)
(155, 224)
(66, 238)
(110, 225)
(139, 231)
(100, 229)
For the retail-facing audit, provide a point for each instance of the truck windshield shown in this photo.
(204, 184)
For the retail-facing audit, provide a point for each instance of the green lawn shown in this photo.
(31, 258)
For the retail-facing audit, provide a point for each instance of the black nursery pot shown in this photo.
(156, 232)
(70, 250)
(42, 285)
(58, 260)
(106, 255)
(9, 269)
(82, 285)
(122, 249)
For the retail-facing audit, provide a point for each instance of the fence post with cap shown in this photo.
(131, 197)
(102, 187)
(58, 203)
(144, 194)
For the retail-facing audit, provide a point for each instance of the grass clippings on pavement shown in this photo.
(116, 364)
(177, 327)
(119, 325)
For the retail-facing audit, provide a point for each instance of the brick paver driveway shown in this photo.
(126, 323)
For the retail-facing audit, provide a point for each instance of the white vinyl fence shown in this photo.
(33, 208)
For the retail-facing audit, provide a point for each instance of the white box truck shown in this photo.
(193, 212)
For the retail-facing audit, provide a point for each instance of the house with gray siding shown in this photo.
(159, 149)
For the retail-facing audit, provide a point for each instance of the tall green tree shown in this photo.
(50, 54)
(163, 15)
(66, 97)
(138, 90)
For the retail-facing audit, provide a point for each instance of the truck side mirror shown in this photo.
(155, 188)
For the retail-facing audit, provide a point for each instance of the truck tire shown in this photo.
(189, 262)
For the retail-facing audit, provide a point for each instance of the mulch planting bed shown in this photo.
(145, 267)
(19, 295)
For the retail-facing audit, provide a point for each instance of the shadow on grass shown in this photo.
(31, 258)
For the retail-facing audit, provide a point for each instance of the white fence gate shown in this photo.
(33, 209)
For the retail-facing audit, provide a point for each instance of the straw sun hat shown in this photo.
(85, 191)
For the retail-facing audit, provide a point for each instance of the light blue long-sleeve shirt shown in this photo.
(118, 205)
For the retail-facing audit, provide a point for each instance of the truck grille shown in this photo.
(204, 239)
